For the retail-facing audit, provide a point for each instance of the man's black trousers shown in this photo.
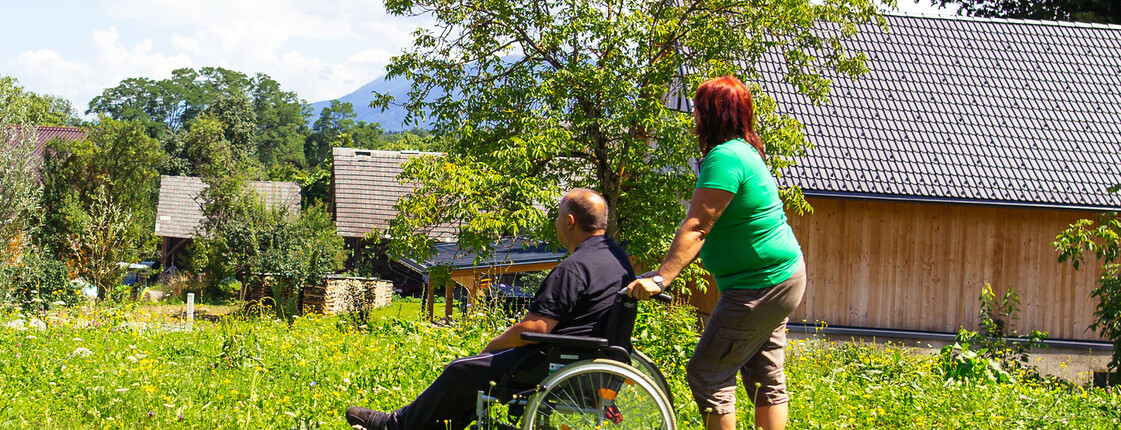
(449, 403)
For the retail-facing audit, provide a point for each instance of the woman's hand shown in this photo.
(643, 288)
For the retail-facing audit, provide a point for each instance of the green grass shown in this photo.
(125, 369)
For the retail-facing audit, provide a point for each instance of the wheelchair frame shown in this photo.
(582, 379)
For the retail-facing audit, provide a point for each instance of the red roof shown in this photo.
(13, 135)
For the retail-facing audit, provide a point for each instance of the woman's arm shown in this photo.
(705, 208)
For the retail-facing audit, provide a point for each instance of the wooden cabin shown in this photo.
(179, 213)
(364, 190)
(953, 163)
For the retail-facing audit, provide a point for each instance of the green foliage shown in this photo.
(666, 333)
(262, 120)
(99, 239)
(35, 283)
(18, 193)
(1101, 11)
(21, 107)
(1104, 242)
(243, 237)
(98, 200)
(533, 97)
(996, 349)
(337, 127)
(118, 369)
(315, 182)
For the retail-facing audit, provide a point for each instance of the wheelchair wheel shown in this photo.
(645, 365)
(599, 394)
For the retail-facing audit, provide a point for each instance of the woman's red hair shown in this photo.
(723, 111)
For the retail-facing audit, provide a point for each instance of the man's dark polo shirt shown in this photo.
(580, 291)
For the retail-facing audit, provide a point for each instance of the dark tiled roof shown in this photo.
(990, 111)
(366, 189)
(986, 111)
(505, 253)
(179, 212)
(14, 135)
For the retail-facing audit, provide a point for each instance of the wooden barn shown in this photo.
(954, 163)
(179, 213)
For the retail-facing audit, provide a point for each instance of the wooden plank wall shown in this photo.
(921, 266)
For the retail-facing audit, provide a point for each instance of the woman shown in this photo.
(737, 225)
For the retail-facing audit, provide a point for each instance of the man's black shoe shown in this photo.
(368, 419)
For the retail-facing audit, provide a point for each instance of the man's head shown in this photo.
(582, 214)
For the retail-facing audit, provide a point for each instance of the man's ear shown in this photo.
(570, 221)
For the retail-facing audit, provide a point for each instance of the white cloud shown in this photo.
(252, 36)
(317, 80)
(79, 81)
(321, 49)
(48, 73)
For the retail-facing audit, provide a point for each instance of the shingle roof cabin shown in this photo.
(988, 111)
(179, 213)
(951, 165)
(365, 188)
(508, 252)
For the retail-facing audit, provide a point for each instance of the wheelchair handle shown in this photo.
(661, 297)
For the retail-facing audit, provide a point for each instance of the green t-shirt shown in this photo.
(751, 245)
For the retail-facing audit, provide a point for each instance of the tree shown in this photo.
(535, 96)
(21, 107)
(1104, 242)
(113, 170)
(242, 236)
(281, 122)
(168, 108)
(1103, 11)
(337, 127)
(101, 236)
(18, 191)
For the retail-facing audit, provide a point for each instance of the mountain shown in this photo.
(392, 119)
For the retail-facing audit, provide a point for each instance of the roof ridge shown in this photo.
(385, 151)
(1040, 22)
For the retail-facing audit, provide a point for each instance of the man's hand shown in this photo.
(643, 287)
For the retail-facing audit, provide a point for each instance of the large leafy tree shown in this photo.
(1103, 11)
(539, 96)
(21, 107)
(338, 126)
(98, 199)
(168, 107)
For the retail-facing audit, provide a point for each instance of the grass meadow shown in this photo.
(108, 368)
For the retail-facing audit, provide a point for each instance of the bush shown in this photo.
(995, 350)
(36, 283)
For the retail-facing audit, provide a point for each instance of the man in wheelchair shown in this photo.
(577, 299)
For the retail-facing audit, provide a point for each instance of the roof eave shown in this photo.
(959, 201)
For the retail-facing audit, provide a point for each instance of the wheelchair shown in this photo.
(573, 383)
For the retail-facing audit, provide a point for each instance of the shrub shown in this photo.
(36, 283)
(995, 349)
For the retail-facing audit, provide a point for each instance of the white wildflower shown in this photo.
(81, 352)
(15, 325)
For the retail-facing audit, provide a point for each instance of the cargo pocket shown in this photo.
(731, 342)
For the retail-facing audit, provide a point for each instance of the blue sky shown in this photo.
(322, 49)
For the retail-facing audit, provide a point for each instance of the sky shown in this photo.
(321, 49)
